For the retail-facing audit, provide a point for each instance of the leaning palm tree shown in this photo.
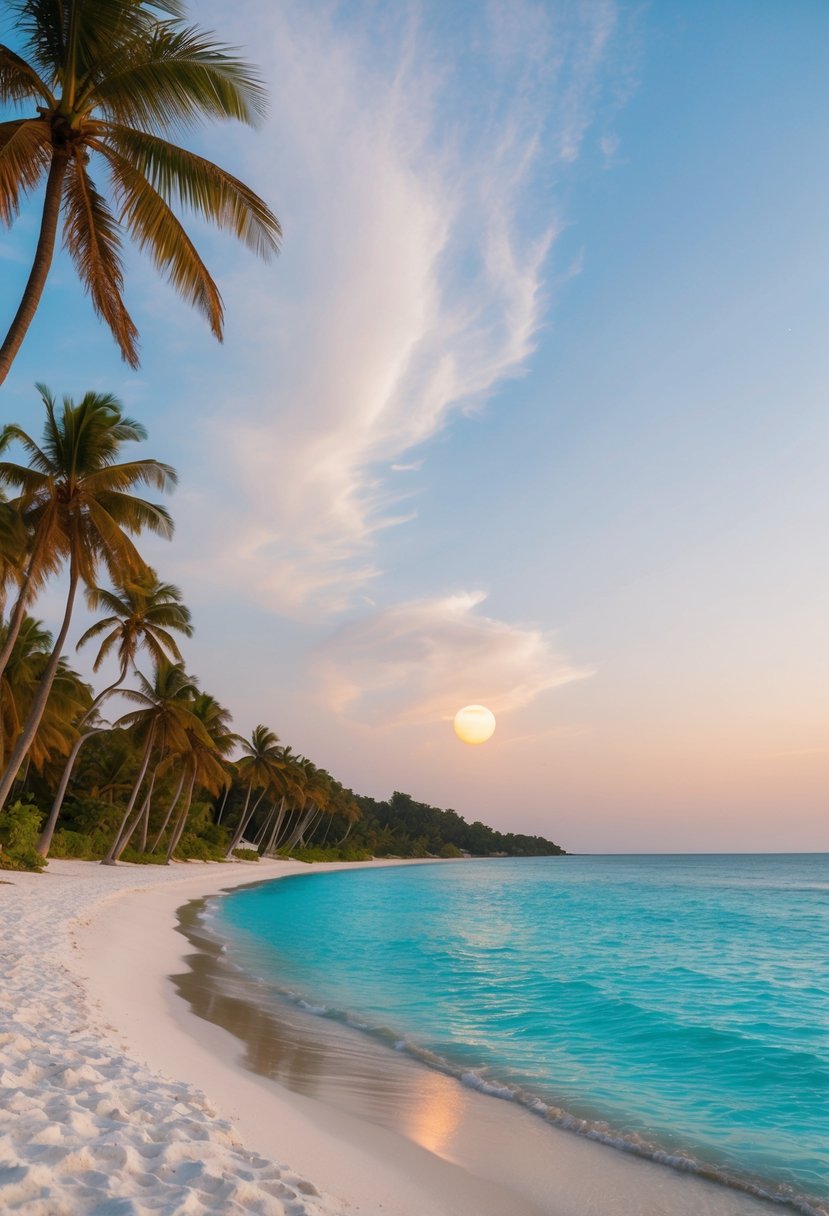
(75, 497)
(210, 745)
(164, 719)
(108, 81)
(261, 760)
(141, 614)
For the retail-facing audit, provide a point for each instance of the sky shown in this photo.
(530, 411)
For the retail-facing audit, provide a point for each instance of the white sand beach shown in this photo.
(115, 1100)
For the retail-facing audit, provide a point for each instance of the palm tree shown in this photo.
(164, 717)
(209, 747)
(261, 760)
(141, 614)
(288, 792)
(316, 795)
(108, 80)
(75, 499)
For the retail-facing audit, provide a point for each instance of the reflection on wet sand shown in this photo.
(311, 1055)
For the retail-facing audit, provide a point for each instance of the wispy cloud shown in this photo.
(411, 283)
(420, 661)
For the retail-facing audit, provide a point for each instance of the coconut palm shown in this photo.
(75, 498)
(164, 717)
(287, 790)
(316, 796)
(258, 765)
(109, 81)
(210, 745)
(141, 614)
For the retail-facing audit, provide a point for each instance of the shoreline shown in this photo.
(121, 927)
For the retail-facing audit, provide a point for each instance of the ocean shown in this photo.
(674, 1006)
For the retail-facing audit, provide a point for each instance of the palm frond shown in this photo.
(12, 433)
(99, 598)
(153, 226)
(42, 24)
(135, 515)
(105, 540)
(162, 645)
(92, 239)
(114, 477)
(30, 482)
(197, 183)
(19, 81)
(176, 78)
(108, 622)
(25, 151)
(109, 642)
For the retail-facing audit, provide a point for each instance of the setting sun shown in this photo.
(474, 724)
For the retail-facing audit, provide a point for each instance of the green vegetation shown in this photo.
(402, 827)
(246, 854)
(19, 826)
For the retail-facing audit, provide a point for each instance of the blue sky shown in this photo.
(531, 411)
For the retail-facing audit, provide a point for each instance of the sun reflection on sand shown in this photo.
(437, 1107)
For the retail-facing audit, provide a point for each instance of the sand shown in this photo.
(104, 1073)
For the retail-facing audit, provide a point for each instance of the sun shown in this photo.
(474, 724)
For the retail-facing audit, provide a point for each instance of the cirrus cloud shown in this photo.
(411, 283)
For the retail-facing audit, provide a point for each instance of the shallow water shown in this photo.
(677, 1005)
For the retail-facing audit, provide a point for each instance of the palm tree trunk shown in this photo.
(299, 829)
(277, 825)
(245, 820)
(145, 812)
(221, 810)
(265, 828)
(40, 266)
(21, 748)
(288, 823)
(44, 844)
(114, 850)
(243, 823)
(49, 830)
(170, 810)
(178, 830)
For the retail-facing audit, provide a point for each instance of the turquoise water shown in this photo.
(678, 1006)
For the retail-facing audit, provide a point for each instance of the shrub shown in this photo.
(144, 859)
(87, 846)
(215, 833)
(450, 850)
(334, 853)
(19, 831)
(246, 854)
(88, 815)
(195, 848)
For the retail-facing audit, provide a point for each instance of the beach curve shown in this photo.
(110, 1071)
